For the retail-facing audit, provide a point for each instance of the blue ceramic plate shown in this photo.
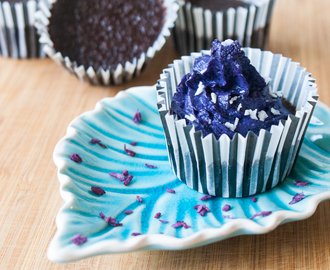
(111, 122)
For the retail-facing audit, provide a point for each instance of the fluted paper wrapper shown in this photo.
(114, 75)
(238, 167)
(18, 36)
(196, 28)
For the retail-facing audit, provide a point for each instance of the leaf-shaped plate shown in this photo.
(111, 122)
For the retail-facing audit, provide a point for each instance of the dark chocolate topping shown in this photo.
(105, 33)
(218, 4)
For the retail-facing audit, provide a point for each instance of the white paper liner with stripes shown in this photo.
(18, 36)
(112, 76)
(196, 28)
(238, 167)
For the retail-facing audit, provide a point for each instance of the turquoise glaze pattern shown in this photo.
(111, 122)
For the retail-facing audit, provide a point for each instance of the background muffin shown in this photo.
(18, 37)
(201, 21)
(106, 41)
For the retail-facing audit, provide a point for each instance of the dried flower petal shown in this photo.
(300, 183)
(226, 208)
(76, 158)
(254, 199)
(117, 176)
(228, 216)
(102, 215)
(139, 198)
(133, 143)
(201, 209)
(150, 166)
(206, 197)
(169, 190)
(98, 190)
(128, 179)
(157, 215)
(127, 212)
(180, 224)
(297, 198)
(78, 239)
(263, 214)
(163, 221)
(137, 117)
(129, 152)
(136, 234)
(94, 141)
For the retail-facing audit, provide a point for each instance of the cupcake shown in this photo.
(201, 21)
(18, 36)
(105, 41)
(234, 119)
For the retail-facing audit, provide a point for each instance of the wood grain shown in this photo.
(37, 102)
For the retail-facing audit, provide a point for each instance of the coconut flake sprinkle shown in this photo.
(262, 115)
(232, 127)
(252, 113)
(214, 97)
(199, 89)
(191, 117)
(231, 101)
(275, 112)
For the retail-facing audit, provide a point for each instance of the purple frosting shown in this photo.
(224, 94)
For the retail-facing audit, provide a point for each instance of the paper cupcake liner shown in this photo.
(18, 36)
(196, 28)
(112, 76)
(238, 167)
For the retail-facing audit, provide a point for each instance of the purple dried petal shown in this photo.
(163, 221)
(150, 166)
(228, 216)
(297, 198)
(98, 190)
(102, 145)
(133, 143)
(169, 190)
(185, 225)
(136, 234)
(78, 239)
(226, 208)
(139, 198)
(263, 214)
(129, 152)
(125, 172)
(254, 199)
(206, 197)
(137, 117)
(93, 141)
(102, 215)
(300, 183)
(117, 224)
(76, 158)
(157, 215)
(201, 209)
(128, 179)
(110, 220)
(117, 176)
(178, 224)
(127, 212)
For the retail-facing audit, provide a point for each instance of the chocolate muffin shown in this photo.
(234, 129)
(201, 21)
(18, 36)
(107, 36)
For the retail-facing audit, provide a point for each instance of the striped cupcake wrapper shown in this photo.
(238, 167)
(196, 28)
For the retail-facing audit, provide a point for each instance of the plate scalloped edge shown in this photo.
(149, 241)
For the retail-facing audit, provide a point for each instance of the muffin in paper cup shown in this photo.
(238, 166)
(201, 21)
(18, 36)
(123, 68)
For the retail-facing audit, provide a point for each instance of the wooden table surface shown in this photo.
(38, 99)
